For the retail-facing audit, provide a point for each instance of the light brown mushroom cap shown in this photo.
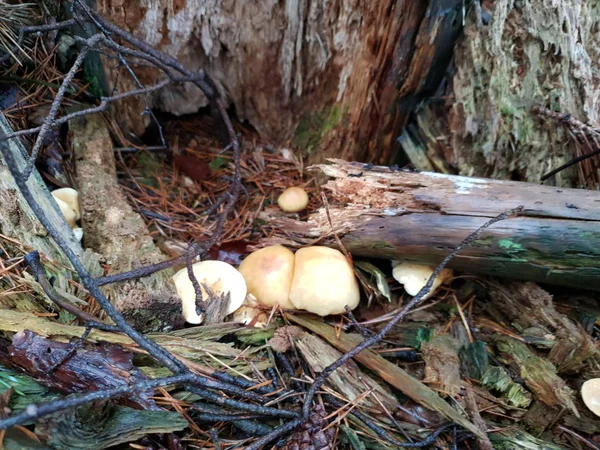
(71, 197)
(250, 313)
(293, 199)
(67, 212)
(323, 282)
(590, 393)
(268, 273)
(415, 276)
(219, 276)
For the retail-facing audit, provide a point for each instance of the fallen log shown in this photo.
(380, 212)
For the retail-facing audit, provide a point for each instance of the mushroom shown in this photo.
(220, 278)
(250, 313)
(268, 273)
(415, 276)
(323, 282)
(590, 393)
(67, 212)
(293, 199)
(71, 197)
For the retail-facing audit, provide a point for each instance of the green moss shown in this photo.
(510, 246)
(313, 126)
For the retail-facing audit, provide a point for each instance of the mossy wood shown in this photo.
(420, 217)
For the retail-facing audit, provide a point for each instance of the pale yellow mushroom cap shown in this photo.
(268, 273)
(293, 199)
(66, 211)
(590, 393)
(71, 197)
(323, 282)
(219, 276)
(415, 276)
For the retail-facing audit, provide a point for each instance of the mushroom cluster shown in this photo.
(315, 279)
(67, 200)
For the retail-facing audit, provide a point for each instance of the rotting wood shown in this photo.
(388, 371)
(421, 217)
(334, 78)
(17, 220)
(114, 230)
(348, 380)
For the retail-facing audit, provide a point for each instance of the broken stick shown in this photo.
(420, 217)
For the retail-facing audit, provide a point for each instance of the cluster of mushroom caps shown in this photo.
(316, 279)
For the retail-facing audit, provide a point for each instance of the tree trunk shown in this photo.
(421, 217)
(342, 77)
(323, 75)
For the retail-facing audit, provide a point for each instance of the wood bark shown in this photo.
(17, 220)
(116, 232)
(341, 77)
(331, 77)
(421, 217)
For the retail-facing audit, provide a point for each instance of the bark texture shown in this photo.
(324, 75)
(342, 77)
(421, 217)
(115, 231)
(535, 52)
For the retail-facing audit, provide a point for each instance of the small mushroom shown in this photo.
(415, 276)
(293, 199)
(220, 278)
(78, 232)
(250, 313)
(71, 197)
(590, 393)
(323, 282)
(67, 212)
(268, 273)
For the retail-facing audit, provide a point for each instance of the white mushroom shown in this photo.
(415, 276)
(293, 199)
(71, 197)
(268, 273)
(590, 393)
(67, 212)
(220, 277)
(250, 313)
(323, 282)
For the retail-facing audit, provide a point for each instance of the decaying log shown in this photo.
(114, 230)
(421, 217)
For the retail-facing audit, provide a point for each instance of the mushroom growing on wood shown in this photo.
(68, 213)
(71, 197)
(221, 278)
(415, 276)
(323, 282)
(268, 273)
(293, 199)
(590, 393)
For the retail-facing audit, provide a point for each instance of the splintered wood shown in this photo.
(421, 217)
